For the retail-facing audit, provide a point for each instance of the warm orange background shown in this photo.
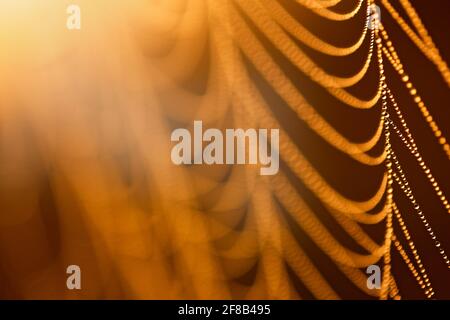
(85, 171)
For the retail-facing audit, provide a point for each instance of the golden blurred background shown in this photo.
(86, 177)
